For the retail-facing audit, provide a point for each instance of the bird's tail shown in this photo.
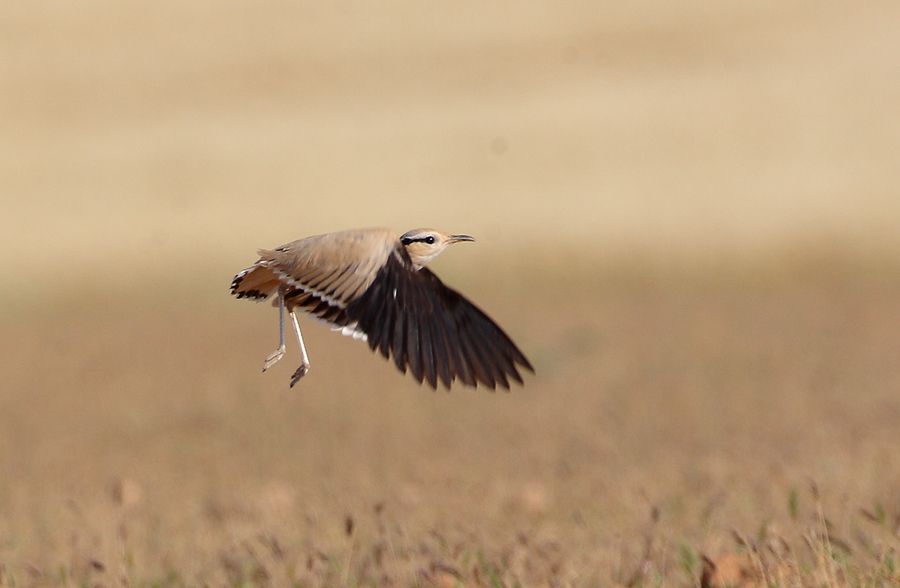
(257, 282)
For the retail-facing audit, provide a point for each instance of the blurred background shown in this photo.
(687, 215)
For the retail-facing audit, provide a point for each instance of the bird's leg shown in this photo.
(276, 355)
(304, 359)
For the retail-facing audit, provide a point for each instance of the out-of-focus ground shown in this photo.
(687, 217)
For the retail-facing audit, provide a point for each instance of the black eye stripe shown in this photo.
(407, 240)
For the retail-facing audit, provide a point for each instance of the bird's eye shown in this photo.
(429, 239)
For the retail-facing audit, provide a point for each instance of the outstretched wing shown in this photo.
(432, 330)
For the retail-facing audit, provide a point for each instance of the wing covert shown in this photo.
(334, 268)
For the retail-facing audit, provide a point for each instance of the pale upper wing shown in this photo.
(433, 330)
(335, 268)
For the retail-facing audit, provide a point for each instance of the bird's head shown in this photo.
(423, 245)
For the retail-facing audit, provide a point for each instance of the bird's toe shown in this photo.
(301, 371)
(273, 358)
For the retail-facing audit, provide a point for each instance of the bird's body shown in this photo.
(372, 284)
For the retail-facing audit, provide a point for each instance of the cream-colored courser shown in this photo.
(373, 285)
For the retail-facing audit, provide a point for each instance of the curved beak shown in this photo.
(459, 238)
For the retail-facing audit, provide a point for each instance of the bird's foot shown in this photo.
(273, 358)
(301, 371)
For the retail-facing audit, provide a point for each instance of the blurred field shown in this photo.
(687, 216)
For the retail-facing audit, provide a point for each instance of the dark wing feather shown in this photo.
(426, 341)
(433, 330)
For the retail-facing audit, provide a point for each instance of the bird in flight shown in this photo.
(373, 285)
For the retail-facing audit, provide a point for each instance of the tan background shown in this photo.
(204, 130)
(687, 215)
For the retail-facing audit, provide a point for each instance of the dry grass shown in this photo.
(676, 414)
(687, 214)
